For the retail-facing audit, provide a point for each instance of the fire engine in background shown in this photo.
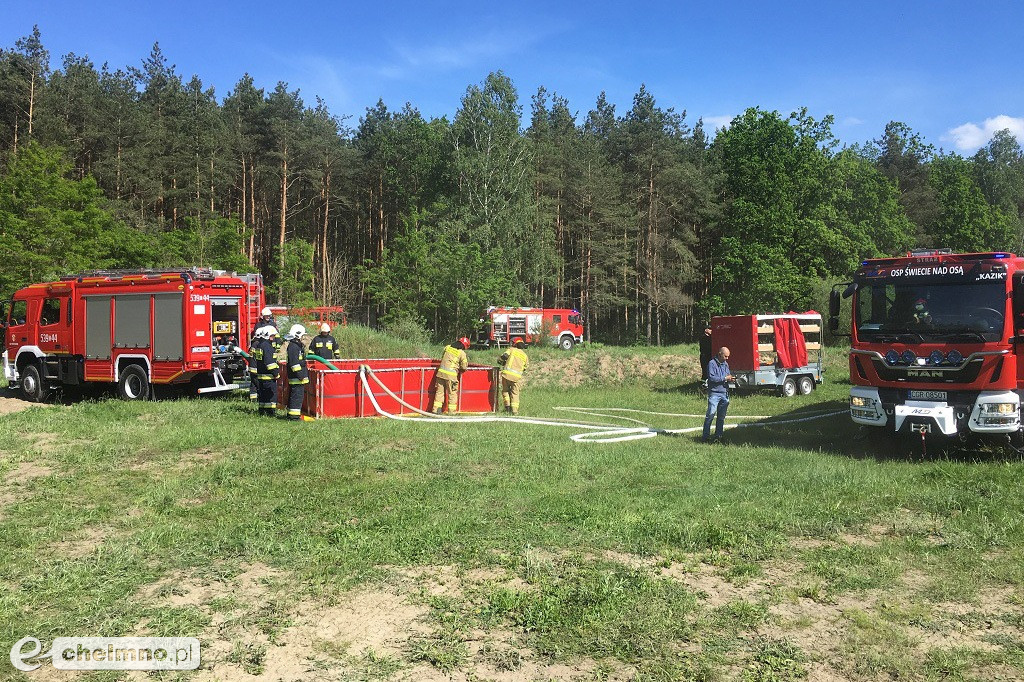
(133, 329)
(781, 352)
(501, 326)
(936, 340)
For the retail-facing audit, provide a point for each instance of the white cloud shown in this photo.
(851, 121)
(717, 122)
(970, 136)
(416, 58)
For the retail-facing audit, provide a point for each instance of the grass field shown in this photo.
(375, 550)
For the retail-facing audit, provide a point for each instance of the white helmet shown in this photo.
(297, 331)
(325, 328)
(266, 312)
(262, 333)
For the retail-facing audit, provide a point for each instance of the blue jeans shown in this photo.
(718, 403)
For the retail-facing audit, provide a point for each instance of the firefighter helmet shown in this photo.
(464, 341)
(518, 342)
(325, 328)
(297, 331)
(266, 312)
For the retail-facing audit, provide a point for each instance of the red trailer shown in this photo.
(340, 392)
(133, 329)
(781, 352)
(501, 326)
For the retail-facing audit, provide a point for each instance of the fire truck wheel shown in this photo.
(567, 342)
(133, 383)
(788, 388)
(805, 385)
(32, 386)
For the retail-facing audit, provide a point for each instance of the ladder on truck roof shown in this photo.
(192, 273)
(253, 285)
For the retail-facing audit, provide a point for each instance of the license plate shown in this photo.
(921, 428)
(927, 395)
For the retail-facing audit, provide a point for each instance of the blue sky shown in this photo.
(953, 71)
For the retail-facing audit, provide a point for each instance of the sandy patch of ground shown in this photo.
(828, 627)
(263, 624)
(80, 544)
(14, 405)
(150, 460)
(25, 472)
(14, 484)
(262, 628)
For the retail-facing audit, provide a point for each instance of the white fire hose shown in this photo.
(593, 433)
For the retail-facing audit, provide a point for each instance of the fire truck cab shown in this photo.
(502, 326)
(935, 343)
(133, 329)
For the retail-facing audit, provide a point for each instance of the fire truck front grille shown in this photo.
(928, 375)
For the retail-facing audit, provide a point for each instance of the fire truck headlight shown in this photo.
(999, 408)
(954, 357)
(909, 357)
(935, 357)
(892, 357)
(860, 401)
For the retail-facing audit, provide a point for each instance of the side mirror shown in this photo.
(835, 298)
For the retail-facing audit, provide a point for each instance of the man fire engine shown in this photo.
(296, 370)
(935, 341)
(264, 370)
(513, 363)
(133, 329)
(453, 363)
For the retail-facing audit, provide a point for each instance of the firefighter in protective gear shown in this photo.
(513, 363)
(266, 321)
(264, 371)
(453, 363)
(296, 370)
(324, 344)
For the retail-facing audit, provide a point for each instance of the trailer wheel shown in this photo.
(566, 343)
(788, 388)
(805, 385)
(32, 386)
(133, 384)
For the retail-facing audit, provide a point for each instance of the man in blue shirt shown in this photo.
(719, 377)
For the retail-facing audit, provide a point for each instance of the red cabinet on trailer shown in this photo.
(781, 352)
(131, 328)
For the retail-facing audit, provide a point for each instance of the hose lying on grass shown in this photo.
(593, 433)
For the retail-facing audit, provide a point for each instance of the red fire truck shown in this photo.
(502, 326)
(133, 329)
(935, 338)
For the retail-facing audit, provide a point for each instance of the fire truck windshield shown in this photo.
(961, 312)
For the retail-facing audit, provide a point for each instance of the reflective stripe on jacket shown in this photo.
(323, 346)
(515, 362)
(297, 371)
(453, 361)
(263, 363)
